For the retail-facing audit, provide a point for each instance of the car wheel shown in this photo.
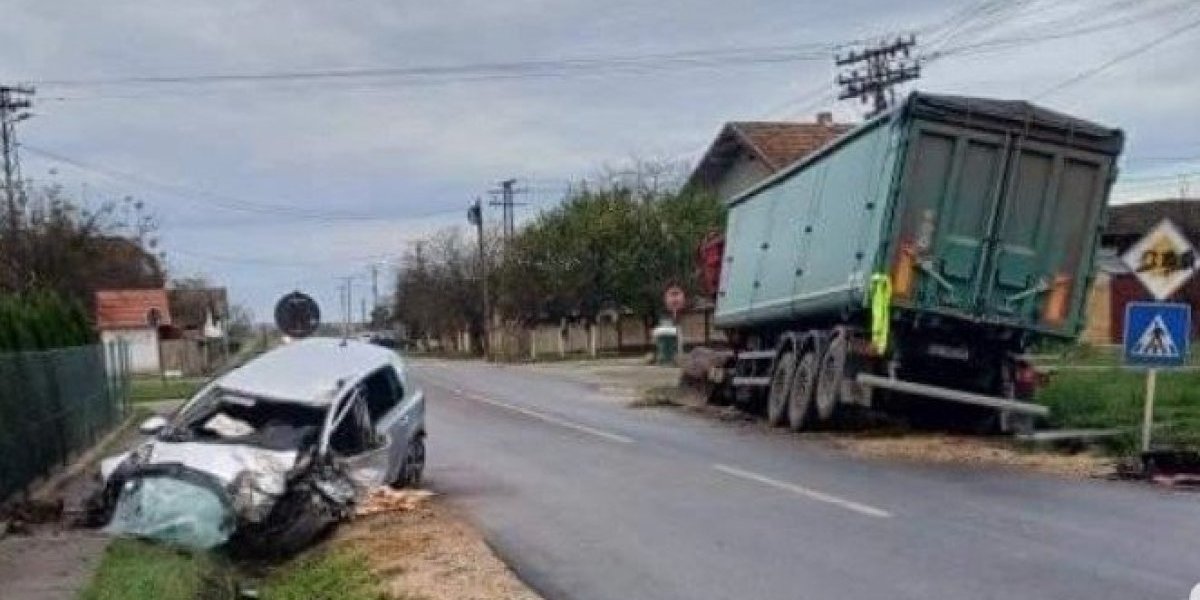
(414, 464)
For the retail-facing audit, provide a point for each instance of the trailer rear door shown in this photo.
(952, 183)
(995, 226)
(1046, 225)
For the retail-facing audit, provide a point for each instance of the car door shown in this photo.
(409, 419)
(351, 437)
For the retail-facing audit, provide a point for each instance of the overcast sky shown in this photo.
(331, 174)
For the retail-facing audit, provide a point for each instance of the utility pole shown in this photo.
(347, 304)
(374, 285)
(475, 217)
(507, 194)
(13, 101)
(887, 65)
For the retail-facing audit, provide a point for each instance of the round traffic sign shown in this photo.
(297, 315)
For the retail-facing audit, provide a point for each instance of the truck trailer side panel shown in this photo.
(983, 211)
(806, 242)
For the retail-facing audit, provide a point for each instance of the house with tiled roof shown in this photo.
(747, 152)
(134, 317)
(1115, 286)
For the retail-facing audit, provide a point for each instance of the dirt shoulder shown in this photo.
(645, 386)
(627, 379)
(429, 552)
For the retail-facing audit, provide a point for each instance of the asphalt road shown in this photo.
(588, 499)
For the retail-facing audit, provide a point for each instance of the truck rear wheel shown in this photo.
(781, 385)
(829, 379)
(800, 396)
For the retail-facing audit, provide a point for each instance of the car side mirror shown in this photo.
(153, 425)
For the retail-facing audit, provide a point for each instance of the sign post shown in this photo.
(1157, 334)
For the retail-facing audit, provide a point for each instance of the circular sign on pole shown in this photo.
(297, 315)
(674, 299)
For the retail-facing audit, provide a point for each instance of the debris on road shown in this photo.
(385, 500)
(941, 448)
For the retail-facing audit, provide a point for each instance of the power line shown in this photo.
(216, 200)
(1081, 29)
(708, 57)
(1128, 54)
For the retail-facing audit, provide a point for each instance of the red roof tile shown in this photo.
(781, 144)
(124, 309)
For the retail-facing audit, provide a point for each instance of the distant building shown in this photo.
(135, 317)
(1115, 286)
(199, 313)
(747, 152)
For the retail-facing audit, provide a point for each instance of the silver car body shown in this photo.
(359, 388)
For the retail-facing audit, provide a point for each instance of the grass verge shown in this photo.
(153, 389)
(136, 570)
(1114, 398)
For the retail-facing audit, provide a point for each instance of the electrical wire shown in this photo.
(1126, 55)
(220, 201)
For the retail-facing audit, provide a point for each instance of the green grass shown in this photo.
(334, 575)
(151, 389)
(1089, 355)
(135, 570)
(1115, 398)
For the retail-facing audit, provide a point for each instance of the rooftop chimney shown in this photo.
(825, 118)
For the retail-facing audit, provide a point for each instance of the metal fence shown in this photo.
(56, 403)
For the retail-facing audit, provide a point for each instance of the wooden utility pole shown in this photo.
(12, 100)
(475, 217)
(886, 64)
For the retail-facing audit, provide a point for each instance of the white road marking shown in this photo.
(857, 507)
(612, 437)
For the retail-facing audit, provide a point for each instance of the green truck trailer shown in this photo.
(919, 255)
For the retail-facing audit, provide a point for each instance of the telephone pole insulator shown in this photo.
(884, 66)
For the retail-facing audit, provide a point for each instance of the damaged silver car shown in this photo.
(270, 455)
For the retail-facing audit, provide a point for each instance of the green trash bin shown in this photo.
(666, 342)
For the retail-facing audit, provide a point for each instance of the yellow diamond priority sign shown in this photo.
(1163, 260)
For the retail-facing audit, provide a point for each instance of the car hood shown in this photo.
(253, 477)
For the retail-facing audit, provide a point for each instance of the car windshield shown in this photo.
(224, 416)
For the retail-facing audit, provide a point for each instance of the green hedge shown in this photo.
(41, 321)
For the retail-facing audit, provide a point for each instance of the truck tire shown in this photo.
(800, 396)
(829, 379)
(781, 384)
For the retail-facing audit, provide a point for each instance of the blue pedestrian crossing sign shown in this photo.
(1156, 333)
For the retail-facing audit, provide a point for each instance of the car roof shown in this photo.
(309, 371)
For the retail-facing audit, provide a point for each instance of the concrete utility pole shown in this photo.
(475, 217)
(507, 194)
(887, 65)
(347, 304)
(12, 100)
(374, 291)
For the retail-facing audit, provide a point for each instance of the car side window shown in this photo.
(353, 434)
(383, 392)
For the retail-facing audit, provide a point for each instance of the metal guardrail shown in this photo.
(941, 393)
(55, 404)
